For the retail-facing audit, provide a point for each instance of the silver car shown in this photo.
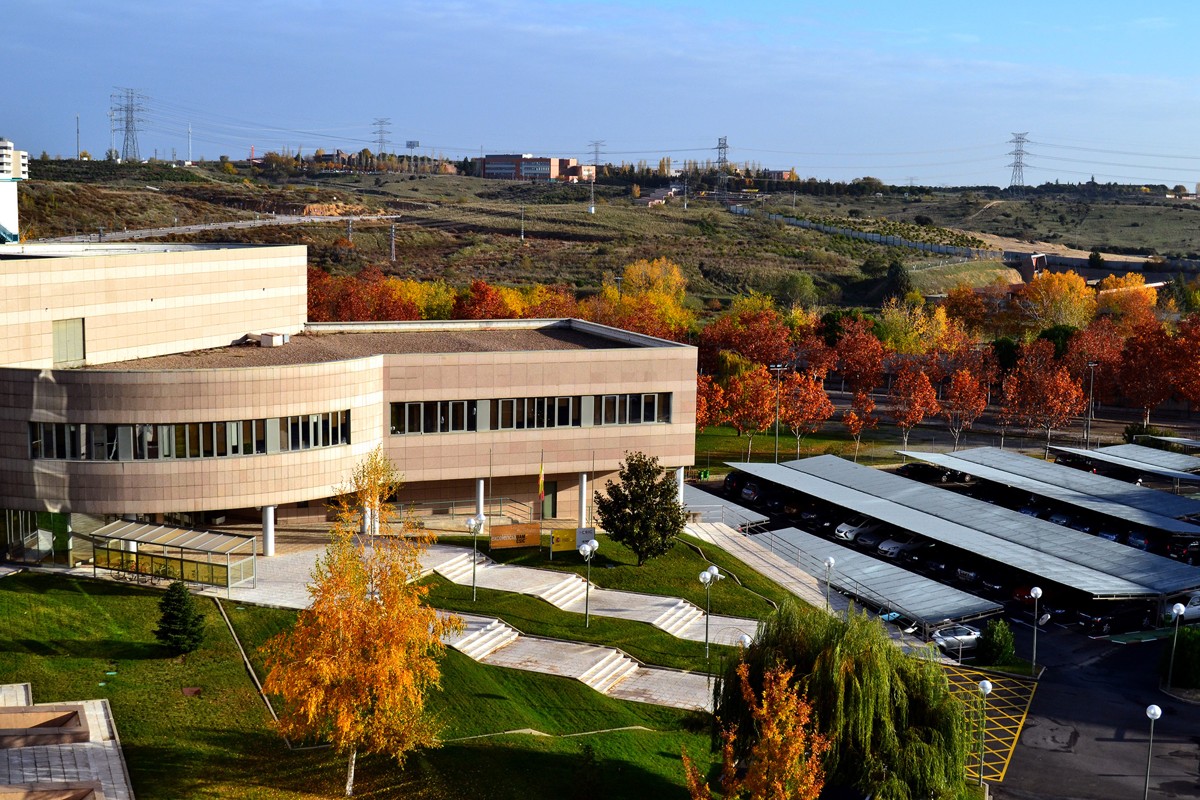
(956, 638)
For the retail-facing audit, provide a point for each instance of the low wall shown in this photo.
(35, 726)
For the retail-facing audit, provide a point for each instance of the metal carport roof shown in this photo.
(934, 516)
(182, 538)
(1102, 495)
(714, 508)
(1164, 459)
(1128, 463)
(877, 582)
(1194, 443)
(1071, 558)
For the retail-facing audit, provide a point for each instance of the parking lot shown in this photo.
(1007, 706)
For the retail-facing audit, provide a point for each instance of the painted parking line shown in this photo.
(1007, 706)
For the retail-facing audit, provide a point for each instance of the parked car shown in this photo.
(1028, 511)
(1048, 604)
(1080, 525)
(751, 493)
(773, 502)
(1138, 540)
(854, 526)
(901, 542)
(1191, 608)
(1104, 617)
(870, 540)
(1185, 550)
(954, 639)
(926, 473)
(1111, 535)
(927, 557)
(1059, 518)
(733, 484)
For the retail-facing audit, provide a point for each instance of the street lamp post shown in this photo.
(985, 688)
(1177, 611)
(1153, 712)
(829, 564)
(1035, 593)
(587, 550)
(474, 525)
(778, 370)
(1087, 436)
(708, 578)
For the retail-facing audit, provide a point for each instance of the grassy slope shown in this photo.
(62, 634)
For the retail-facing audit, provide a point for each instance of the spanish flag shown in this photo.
(541, 482)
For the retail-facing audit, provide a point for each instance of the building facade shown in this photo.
(540, 169)
(14, 166)
(182, 384)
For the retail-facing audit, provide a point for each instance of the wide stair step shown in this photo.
(682, 615)
(568, 592)
(610, 671)
(482, 643)
(458, 570)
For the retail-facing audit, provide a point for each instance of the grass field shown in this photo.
(64, 634)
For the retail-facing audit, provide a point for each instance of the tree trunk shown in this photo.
(856, 443)
(749, 445)
(350, 773)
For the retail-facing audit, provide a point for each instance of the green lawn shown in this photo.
(63, 634)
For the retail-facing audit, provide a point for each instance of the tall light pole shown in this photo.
(985, 688)
(778, 370)
(829, 564)
(1177, 611)
(1091, 404)
(1153, 712)
(474, 525)
(1035, 593)
(587, 550)
(708, 578)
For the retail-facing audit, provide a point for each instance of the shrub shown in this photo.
(1136, 430)
(996, 644)
(1186, 674)
(181, 624)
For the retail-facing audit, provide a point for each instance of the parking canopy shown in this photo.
(1179, 440)
(1164, 459)
(882, 584)
(714, 508)
(1128, 463)
(1110, 497)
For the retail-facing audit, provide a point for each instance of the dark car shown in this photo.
(870, 540)
(1185, 550)
(926, 473)
(929, 558)
(1104, 618)
(1050, 604)
(733, 484)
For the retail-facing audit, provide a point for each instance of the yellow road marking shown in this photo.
(1007, 708)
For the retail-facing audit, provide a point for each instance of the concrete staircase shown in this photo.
(609, 671)
(479, 643)
(568, 592)
(458, 570)
(679, 617)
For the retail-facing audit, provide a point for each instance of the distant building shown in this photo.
(780, 175)
(14, 166)
(526, 167)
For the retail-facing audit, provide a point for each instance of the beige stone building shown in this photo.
(182, 384)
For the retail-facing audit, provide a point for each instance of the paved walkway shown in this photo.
(97, 760)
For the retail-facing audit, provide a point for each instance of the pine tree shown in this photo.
(181, 624)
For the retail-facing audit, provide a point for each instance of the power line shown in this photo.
(129, 108)
(381, 133)
(1018, 163)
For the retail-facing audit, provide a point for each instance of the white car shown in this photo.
(1191, 608)
(955, 638)
(852, 527)
(900, 543)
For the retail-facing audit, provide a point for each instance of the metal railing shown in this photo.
(496, 509)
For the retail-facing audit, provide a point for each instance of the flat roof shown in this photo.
(880, 583)
(714, 508)
(83, 249)
(1085, 560)
(345, 341)
(1152, 455)
(1096, 493)
(185, 538)
(1128, 463)
(1183, 440)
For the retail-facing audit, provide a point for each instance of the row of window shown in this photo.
(104, 442)
(521, 413)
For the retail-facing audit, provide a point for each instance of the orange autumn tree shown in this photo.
(356, 667)
(786, 760)
(750, 403)
(964, 401)
(710, 402)
(1039, 392)
(805, 406)
(858, 418)
(912, 399)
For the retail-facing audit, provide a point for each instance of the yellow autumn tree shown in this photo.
(356, 667)
(786, 759)
(1128, 301)
(1058, 298)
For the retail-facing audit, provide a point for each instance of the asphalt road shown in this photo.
(1087, 734)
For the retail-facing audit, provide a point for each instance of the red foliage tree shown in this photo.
(553, 302)
(751, 403)
(964, 304)
(912, 399)
(1148, 368)
(1101, 344)
(1039, 392)
(1187, 359)
(805, 406)
(964, 401)
(858, 418)
(860, 356)
(323, 292)
(758, 335)
(481, 301)
(710, 402)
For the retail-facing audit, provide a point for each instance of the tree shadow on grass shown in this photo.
(110, 649)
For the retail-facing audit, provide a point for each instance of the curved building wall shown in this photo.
(366, 387)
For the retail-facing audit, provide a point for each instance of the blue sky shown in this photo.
(923, 92)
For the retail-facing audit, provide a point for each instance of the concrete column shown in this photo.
(268, 530)
(679, 479)
(583, 499)
(479, 499)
